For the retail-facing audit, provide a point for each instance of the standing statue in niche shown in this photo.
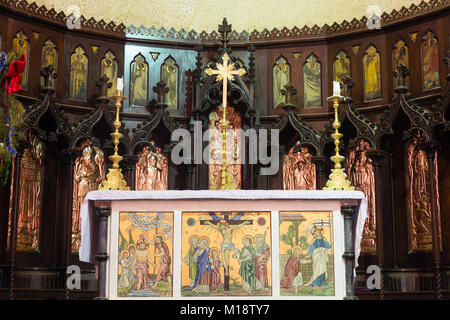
(89, 172)
(152, 169)
(109, 68)
(169, 74)
(299, 173)
(281, 78)
(139, 81)
(30, 195)
(361, 174)
(78, 75)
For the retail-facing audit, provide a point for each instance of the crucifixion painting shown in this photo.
(226, 253)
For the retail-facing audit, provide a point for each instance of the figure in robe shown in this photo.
(281, 78)
(189, 259)
(30, 195)
(21, 46)
(262, 251)
(162, 166)
(109, 69)
(400, 57)
(341, 66)
(165, 260)
(203, 274)
(139, 82)
(216, 281)
(169, 74)
(430, 60)
(312, 86)
(131, 269)
(78, 75)
(372, 74)
(126, 262)
(151, 169)
(142, 264)
(299, 173)
(247, 267)
(318, 251)
(49, 58)
(292, 268)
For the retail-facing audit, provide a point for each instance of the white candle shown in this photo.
(119, 85)
(336, 89)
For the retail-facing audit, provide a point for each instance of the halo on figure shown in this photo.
(259, 236)
(214, 249)
(159, 235)
(193, 237)
(131, 246)
(204, 238)
(296, 248)
(123, 252)
(245, 238)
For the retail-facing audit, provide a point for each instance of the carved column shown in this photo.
(435, 230)
(378, 157)
(321, 178)
(103, 211)
(349, 255)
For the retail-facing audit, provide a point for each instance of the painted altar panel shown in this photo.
(145, 252)
(372, 74)
(217, 244)
(306, 253)
(21, 46)
(49, 57)
(281, 78)
(430, 61)
(78, 75)
(312, 83)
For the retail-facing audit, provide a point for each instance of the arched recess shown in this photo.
(281, 76)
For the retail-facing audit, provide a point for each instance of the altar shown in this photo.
(216, 244)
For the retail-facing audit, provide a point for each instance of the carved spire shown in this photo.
(161, 89)
(289, 91)
(251, 64)
(400, 75)
(104, 84)
(348, 83)
(198, 64)
(224, 30)
(49, 75)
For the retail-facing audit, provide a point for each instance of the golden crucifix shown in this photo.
(224, 73)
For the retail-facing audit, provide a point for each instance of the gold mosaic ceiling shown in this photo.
(242, 14)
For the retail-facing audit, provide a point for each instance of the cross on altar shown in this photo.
(226, 226)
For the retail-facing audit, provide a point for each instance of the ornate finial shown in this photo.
(49, 74)
(104, 85)
(161, 89)
(289, 91)
(400, 75)
(251, 64)
(198, 63)
(224, 30)
(348, 83)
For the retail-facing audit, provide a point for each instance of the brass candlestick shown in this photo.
(114, 179)
(338, 179)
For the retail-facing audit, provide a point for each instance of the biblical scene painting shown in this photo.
(152, 169)
(169, 74)
(139, 81)
(281, 77)
(49, 57)
(78, 75)
(306, 254)
(372, 74)
(226, 254)
(341, 66)
(400, 56)
(216, 148)
(311, 84)
(145, 253)
(299, 173)
(418, 183)
(109, 68)
(430, 61)
(21, 46)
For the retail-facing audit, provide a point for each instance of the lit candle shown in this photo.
(336, 89)
(119, 85)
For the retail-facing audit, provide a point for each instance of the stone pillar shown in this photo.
(349, 255)
(103, 211)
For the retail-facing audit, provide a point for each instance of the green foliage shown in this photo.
(5, 164)
(304, 242)
(123, 241)
(288, 237)
(130, 237)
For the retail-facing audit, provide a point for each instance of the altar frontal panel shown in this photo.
(226, 253)
(145, 252)
(306, 253)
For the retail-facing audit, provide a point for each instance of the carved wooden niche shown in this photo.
(360, 171)
(139, 81)
(49, 57)
(88, 174)
(109, 68)
(233, 151)
(152, 169)
(78, 75)
(312, 90)
(21, 46)
(430, 61)
(281, 78)
(169, 74)
(372, 74)
(299, 173)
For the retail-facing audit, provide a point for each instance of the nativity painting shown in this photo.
(306, 254)
(226, 254)
(145, 253)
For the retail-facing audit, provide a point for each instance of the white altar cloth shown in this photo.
(89, 220)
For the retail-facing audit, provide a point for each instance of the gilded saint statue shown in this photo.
(216, 147)
(30, 195)
(139, 81)
(299, 173)
(341, 66)
(361, 174)
(311, 83)
(430, 61)
(372, 74)
(169, 74)
(22, 46)
(152, 169)
(89, 172)
(78, 75)
(109, 68)
(281, 78)
(418, 179)
(49, 57)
